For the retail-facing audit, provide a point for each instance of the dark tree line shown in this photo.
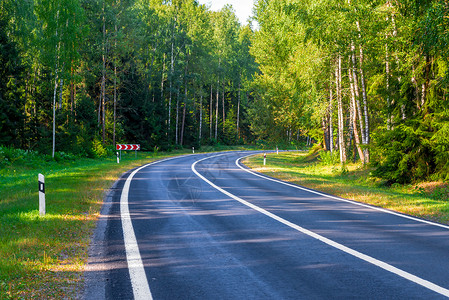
(81, 75)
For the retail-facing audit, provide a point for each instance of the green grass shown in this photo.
(425, 200)
(44, 257)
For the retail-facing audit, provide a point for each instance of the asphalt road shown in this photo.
(204, 227)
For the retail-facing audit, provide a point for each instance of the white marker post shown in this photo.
(193, 150)
(277, 150)
(41, 195)
(264, 159)
(118, 158)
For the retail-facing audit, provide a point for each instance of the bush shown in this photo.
(98, 150)
(10, 155)
(329, 158)
(62, 156)
(403, 154)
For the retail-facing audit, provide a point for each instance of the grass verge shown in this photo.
(428, 201)
(44, 257)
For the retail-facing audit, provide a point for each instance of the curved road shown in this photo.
(205, 227)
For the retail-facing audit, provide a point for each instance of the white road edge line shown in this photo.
(364, 257)
(139, 282)
(237, 162)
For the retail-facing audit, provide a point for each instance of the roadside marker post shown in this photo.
(193, 150)
(264, 159)
(121, 147)
(118, 158)
(277, 150)
(41, 180)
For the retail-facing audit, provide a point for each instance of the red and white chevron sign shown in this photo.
(128, 147)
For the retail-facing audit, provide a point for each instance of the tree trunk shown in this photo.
(177, 117)
(172, 70)
(54, 91)
(351, 110)
(425, 84)
(54, 112)
(216, 110)
(357, 108)
(162, 93)
(331, 128)
(61, 88)
(365, 108)
(325, 134)
(395, 33)
(341, 140)
(211, 112)
(356, 91)
(238, 114)
(103, 79)
(365, 129)
(354, 114)
(201, 118)
(415, 84)
(387, 83)
(169, 108)
(184, 108)
(183, 123)
(223, 103)
(72, 92)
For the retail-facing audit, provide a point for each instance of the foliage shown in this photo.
(329, 158)
(404, 154)
(133, 71)
(376, 71)
(174, 74)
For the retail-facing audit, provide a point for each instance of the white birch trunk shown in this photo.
(357, 94)
(201, 117)
(223, 103)
(216, 109)
(331, 111)
(115, 85)
(177, 117)
(365, 129)
(387, 81)
(103, 79)
(341, 140)
(355, 112)
(54, 91)
(54, 112)
(211, 120)
(172, 70)
(162, 93)
(238, 114)
(184, 108)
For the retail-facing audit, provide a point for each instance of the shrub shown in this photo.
(403, 154)
(10, 155)
(329, 158)
(98, 150)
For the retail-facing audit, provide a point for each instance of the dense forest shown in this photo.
(82, 75)
(365, 78)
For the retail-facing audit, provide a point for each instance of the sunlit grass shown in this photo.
(44, 257)
(354, 182)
